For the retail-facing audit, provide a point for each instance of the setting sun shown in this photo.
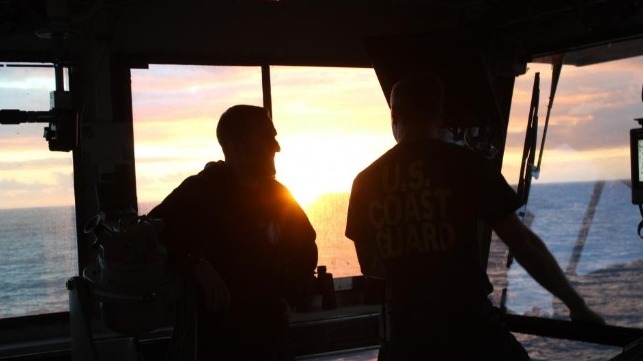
(312, 166)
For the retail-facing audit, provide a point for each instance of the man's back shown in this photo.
(420, 203)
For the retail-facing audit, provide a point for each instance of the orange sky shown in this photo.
(322, 116)
(331, 124)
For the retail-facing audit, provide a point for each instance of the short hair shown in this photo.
(417, 98)
(237, 120)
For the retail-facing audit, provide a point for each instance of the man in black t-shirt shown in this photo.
(413, 216)
(243, 238)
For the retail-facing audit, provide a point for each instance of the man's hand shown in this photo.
(212, 286)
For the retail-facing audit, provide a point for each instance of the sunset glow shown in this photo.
(331, 123)
(314, 169)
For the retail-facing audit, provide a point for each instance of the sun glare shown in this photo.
(311, 166)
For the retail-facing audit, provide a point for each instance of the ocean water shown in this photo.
(38, 252)
(37, 256)
(609, 252)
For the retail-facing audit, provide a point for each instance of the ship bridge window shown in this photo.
(175, 110)
(37, 218)
(331, 123)
(580, 204)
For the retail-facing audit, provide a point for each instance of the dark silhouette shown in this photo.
(243, 238)
(413, 216)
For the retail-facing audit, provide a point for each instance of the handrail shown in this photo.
(565, 329)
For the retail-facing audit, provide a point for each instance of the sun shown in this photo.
(309, 175)
(311, 166)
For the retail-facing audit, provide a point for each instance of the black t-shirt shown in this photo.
(420, 204)
(259, 240)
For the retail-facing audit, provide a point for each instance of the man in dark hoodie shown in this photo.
(245, 240)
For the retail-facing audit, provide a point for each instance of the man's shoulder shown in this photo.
(206, 178)
(377, 163)
(217, 168)
(211, 172)
(407, 151)
(281, 191)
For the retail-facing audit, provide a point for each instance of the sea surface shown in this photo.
(590, 228)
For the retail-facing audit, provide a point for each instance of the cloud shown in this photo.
(22, 137)
(57, 190)
(301, 96)
(25, 100)
(171, 93)
(192, 78)
(330, 99)
(593, 107)
(176, 109)
(26, 88)
(37, 164)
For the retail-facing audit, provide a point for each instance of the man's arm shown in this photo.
(213, 287)
(532, 253)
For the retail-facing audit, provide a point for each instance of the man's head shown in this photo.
(416, 105)
(247, 136)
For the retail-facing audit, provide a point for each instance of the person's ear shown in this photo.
(395, 125)
(233, 149)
